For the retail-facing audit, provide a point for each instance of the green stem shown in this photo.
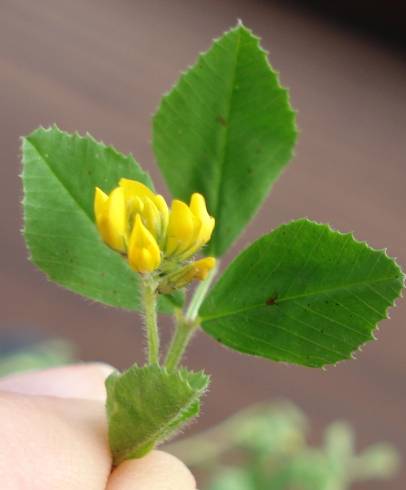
(149, 296)
(187, 324)
(183, 333)
(199, 294)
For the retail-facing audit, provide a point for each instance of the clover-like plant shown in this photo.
(302, 293)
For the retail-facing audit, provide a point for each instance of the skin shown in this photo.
(53, 436)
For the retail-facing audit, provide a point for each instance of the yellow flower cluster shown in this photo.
(134, 221)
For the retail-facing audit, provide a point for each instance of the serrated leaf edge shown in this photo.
(289, 107)
(157, 438)
(330, 229)
(87, 135)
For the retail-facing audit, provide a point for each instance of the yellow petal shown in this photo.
(202, 267)
(100, 205)
(195, 270)
(136, 190)
(198, 205)
(143, 251)
(116, 222)
(142, 261)
(111, 219)
(182, 228)
(198, 208)
(133, 188)
(137, 204)
(151, 217)
(160, 203)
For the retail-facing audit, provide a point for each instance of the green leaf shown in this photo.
(227, 129)
(233, 479)
(380, 460)
(304, 294)
(147, 405)
(60, 174)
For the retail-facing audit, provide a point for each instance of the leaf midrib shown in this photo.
(53, 172)
(157, 434)
(224, 139)
(295, 297)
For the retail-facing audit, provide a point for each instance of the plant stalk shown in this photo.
(183, 333)
(187, 324)
(200, 293)
(149, 296)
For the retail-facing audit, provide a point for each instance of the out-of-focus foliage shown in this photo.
(40, 355)
(265, 448)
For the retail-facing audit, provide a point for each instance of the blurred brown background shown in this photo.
(100, 66)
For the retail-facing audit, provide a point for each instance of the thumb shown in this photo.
(52, 436)
(158, 471)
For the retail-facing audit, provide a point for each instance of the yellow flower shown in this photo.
(151, 207)
(180, 278)
(135, 221)
(189, 228)
(196, 270)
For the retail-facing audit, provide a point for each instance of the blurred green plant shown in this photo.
(265, 448)
(39, 355)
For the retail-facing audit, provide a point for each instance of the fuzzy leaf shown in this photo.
(60, 174)
(304, 294)
(147, 405)
(227, 129)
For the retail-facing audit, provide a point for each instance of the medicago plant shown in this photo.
(303, 293)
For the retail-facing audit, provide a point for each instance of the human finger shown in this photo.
(155, 471)
(49, 442)
(85, 381)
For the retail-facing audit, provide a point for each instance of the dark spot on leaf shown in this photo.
(114, 291)
(222, 121)
(272, 300)
(89, 172)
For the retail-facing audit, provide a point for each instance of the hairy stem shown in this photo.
(149, 296)
(187, 324)
(183, 333)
